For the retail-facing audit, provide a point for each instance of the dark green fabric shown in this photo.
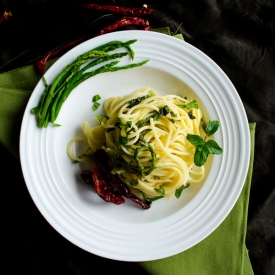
(221, 253)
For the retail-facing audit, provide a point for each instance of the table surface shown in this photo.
(238, 35)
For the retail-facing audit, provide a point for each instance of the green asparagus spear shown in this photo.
(75, 73)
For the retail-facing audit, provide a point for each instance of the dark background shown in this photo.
(239, 35)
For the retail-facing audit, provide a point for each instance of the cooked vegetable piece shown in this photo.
(75, 73)
(101, 159)
(103, 189)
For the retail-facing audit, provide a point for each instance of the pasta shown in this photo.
(145, 135)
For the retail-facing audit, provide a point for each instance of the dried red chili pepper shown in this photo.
(126, 21)
(101, 160)
(40, 64)
(104, 190)
(119, 10)
(5, 16)
(126, 192)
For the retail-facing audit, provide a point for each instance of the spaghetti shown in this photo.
(145, 136)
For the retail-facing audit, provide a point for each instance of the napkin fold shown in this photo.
(222, 252)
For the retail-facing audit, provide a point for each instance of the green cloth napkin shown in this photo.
(222, 252)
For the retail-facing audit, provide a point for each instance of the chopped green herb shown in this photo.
(128, 124)
(116, 170)
(181, 105)
(179, 191)
(101, 117)
(153, 154)
(133, 182)
(122, 140)
(96, 98)
(123, 131)
(173, 114)
(150, 199)
(160, 191)
(95, 105)
(118, 122)
(156, 117)
(192, 104)
(136, 101)
(172, 120)
(114, 151)
(109, 129)
(190, 114)
(164, 111)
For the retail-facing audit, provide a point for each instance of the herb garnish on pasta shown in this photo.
(152, 141)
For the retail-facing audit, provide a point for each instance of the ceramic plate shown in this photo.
(127, 232)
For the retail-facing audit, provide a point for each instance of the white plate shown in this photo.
(127, 232)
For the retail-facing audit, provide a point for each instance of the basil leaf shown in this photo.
(179, 191)
(213, 147)
(192, 104)
(212, 127)
(160, 191)
(201, 155)
(196, 140)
